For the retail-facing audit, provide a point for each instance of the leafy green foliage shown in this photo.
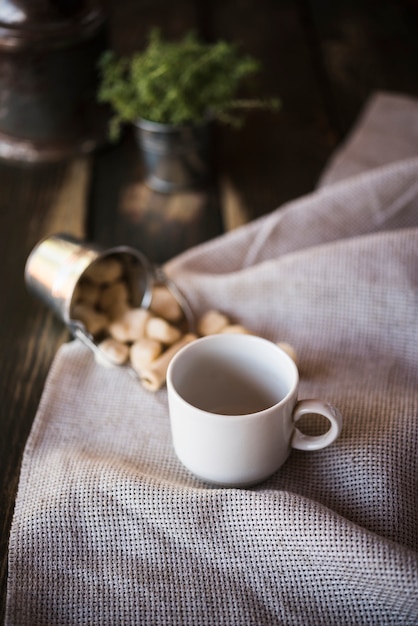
(177, 83)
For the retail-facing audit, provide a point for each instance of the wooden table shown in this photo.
(322, 60)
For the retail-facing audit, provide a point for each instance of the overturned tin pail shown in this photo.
(59, 264)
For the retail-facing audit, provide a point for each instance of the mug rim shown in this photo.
(291, 391)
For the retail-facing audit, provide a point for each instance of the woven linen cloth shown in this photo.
(110, 529)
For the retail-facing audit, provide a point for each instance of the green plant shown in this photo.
(177, 83)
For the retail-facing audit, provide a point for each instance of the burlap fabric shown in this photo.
(110, 529)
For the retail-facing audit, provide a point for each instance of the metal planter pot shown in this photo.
(175, 158)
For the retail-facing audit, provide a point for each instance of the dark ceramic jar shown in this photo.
(48, 77)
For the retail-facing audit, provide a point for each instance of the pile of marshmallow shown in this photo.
(144, 338)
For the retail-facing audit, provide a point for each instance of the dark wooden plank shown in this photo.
(34, 202)
(125, 211)
(130, 20)
(275, 157)
(366, 46)
(122, 208)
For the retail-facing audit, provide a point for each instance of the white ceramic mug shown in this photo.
(233, 409)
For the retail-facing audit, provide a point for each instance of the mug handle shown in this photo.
(309, 442)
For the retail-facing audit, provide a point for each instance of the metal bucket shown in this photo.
(175, 158)
(58, 263)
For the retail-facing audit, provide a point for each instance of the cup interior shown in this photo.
(232, 374)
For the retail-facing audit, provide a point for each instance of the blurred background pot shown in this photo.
(174, 157)
(48, 79)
